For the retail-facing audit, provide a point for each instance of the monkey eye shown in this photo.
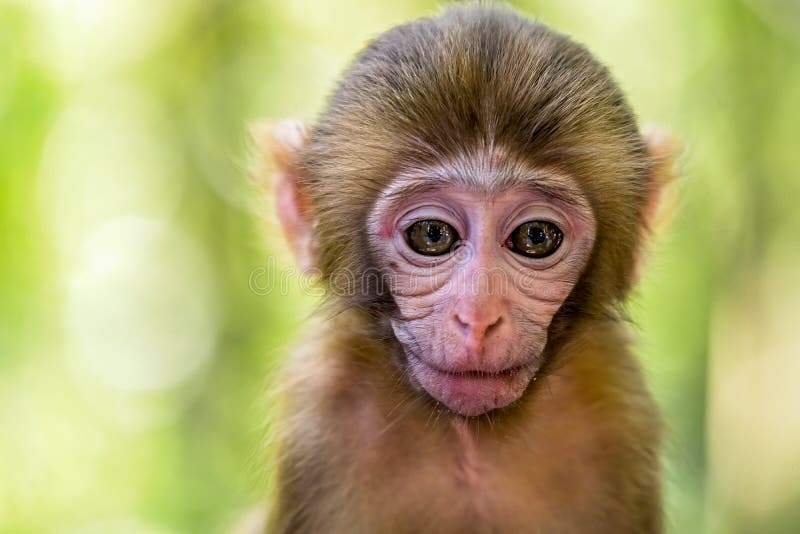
(431, 237)
(535, 239)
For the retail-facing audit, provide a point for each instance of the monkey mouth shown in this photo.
(472, 392)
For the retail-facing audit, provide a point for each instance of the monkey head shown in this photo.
(481, 183)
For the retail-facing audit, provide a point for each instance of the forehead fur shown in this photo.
(470, 80)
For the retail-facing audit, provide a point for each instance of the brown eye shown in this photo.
(431, 237)
(536, 239)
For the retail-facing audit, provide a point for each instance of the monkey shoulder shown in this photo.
(346, 430)
(615, 430)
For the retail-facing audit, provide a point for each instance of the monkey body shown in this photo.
(481, 184)
(578, 455)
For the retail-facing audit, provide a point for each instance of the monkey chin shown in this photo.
(472, 393)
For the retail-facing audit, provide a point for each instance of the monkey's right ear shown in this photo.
(281, 145)
(662, 150)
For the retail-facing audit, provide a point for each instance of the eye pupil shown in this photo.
(434, 233)
(536, 235)
(536, 239)
(431, 237)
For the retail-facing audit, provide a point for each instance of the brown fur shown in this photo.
(360, 451)
(578, 454)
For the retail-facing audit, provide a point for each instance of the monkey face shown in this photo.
(478, 261)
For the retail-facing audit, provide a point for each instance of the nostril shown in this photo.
(462, 324)
(493, 325)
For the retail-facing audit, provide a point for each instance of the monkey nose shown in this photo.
(477, 326)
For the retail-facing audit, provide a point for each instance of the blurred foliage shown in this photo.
(134, 351)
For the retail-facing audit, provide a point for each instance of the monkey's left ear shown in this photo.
(281, 145)
(662, 149)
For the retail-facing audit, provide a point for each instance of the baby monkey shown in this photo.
(474, 199)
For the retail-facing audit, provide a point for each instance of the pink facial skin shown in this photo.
(473, 322)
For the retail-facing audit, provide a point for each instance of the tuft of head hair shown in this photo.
(471, 79)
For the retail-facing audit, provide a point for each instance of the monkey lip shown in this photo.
(472, 392)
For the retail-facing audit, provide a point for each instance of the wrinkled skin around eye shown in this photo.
(473, 319)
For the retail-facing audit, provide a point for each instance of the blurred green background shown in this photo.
(134, 351)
